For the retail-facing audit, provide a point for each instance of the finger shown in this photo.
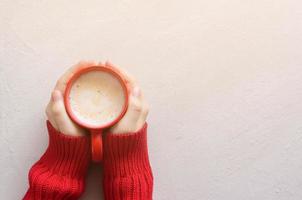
(142, 108)
(61, 83)
(61, 118)
(136, 92)
(127, 77)
(134, 119)
(144, 114)
(50, 116)
(136, 114)
(137, 95)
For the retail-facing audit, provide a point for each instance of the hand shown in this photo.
(138, 108)
(55, 110)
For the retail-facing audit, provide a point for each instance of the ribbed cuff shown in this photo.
(127, 171)
(126, 154)
(66, 155)
(59, 174)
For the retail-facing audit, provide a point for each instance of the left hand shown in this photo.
(55, 110)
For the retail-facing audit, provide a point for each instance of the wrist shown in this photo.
(66, 155)
(127, 153)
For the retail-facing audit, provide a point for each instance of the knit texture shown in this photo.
(127, 170)
(60, 172)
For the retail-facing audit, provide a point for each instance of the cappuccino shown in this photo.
(96, 98)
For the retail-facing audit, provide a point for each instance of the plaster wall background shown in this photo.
(223, 79)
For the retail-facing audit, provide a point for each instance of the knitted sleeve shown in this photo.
(127, 171)
(60, 172)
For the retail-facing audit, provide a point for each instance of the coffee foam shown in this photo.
(97, 98)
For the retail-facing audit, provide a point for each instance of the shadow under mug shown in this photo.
(95, 130)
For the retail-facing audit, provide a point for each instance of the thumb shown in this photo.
(64, 123)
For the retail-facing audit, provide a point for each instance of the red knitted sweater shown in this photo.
(60, 172)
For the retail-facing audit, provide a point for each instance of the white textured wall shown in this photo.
(223, 79)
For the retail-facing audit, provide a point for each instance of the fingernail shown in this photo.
(56, 95)
(136, 91)
(107, 63)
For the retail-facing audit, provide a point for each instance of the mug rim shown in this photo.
(75, 76)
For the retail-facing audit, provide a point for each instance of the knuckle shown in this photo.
(137, 105)
(56, 109)
(137, 108)
(47, 111)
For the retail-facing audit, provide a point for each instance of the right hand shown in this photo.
(55, 110)
(138, 108)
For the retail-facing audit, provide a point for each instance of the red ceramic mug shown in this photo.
(97, 127)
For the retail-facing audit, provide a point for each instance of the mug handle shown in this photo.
(96, 145)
